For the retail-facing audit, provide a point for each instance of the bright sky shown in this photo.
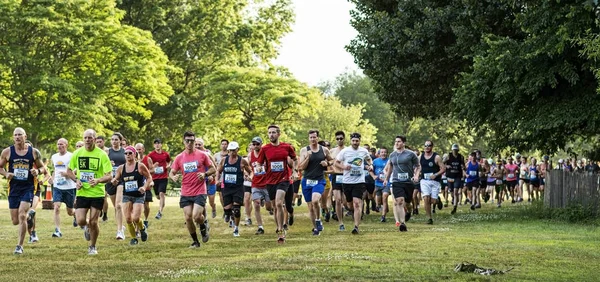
(314, 51)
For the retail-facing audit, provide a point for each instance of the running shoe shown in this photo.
(18, 250)
(403, 228)
(92, 251)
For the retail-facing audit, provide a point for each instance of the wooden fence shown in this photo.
(566, 188)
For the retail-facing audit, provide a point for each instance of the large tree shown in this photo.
(67, 65)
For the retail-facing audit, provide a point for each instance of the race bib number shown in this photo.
(277, 166)
(381, 176)
(356, 172)
(451, 180)
(427, 176)
(339, 179)
(86, 176)
(159, 170)
(511, 175)
(131, 186)
(311, 182)
(445, 181)
(403, 176)
(230, 178)
(498, 182)
(60, 180)
(190, 167)
(472, 173)
(21, 174)
(114, 170)
(532, 175)
(259, 170)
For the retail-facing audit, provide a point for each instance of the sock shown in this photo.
(131, 229)
(203, 229)
(260, 227)
(145, 222)
(57, 230)
(140, 225)
(33, 233)
(194, 236)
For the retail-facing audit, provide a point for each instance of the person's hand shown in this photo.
(78, 184)
(34, 172)
(201, 176)
(93, 182)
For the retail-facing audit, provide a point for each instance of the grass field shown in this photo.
(490, 237)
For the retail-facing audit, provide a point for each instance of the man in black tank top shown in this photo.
(234, 170)
(314, 160)
(432, 169)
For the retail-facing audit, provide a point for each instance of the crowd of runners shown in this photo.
(336, 182)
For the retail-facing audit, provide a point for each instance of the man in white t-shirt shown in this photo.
(351, 160)
(63, 188)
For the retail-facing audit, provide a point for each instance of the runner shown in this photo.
(432, 169)
(93, 170)
(455, 170)
(534, 178)
(325, 198)
(217, 158)
(403, 167)
(116, 154)
(472, 177)
(248, 192)
(314, 160)
(519, 187)
(63, 187)
(210, 181)
(79, 144)
(275, 156)
(234, 170)
(337, 181)
(192, 164)
(259, 191)
(21, 180)
(544, 166)
(417, 191)
(100, 143)
(444, 182)
(135, 179)
(498, 175)
(511, 179)
(352, 160)
(161, 161)
(369, 197)
(141, 156)
(382, 192)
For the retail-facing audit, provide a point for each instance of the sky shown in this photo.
(314, 50)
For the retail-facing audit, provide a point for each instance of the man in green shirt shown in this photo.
(90, 168)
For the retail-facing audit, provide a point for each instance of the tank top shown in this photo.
(533, 173)
(132, 181)
(314, 170)
(258, 177)
(512, 172)
(455, 163)
(20, 167)
(429, 167)
(118, 157)
(233, 176)
(472, 172)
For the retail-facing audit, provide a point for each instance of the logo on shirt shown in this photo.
(88, 163)
(357, 162)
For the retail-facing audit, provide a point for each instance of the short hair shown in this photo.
(373, 150)
(100, 137)
(402, 137)
(274, 126)
(189, 133)
(383, 148)
(355, 135)
(321, 142)
(429, 142)
(313, 131)
(118, 134)
(340, 133)
(224, 140)
(473, 155)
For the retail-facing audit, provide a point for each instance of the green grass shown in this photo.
(490, 237)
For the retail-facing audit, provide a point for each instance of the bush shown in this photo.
(574, 212)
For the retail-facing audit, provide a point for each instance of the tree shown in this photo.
(69, 65)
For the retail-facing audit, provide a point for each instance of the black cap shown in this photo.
(157, 140)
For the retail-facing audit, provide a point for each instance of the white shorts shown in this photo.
(258, 194)
(430, 188)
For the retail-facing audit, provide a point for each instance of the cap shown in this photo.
(518, 155)
(454, 146)
(130, 148)
(257, 139)
(546, 157)
(157, 140)
(233, 146)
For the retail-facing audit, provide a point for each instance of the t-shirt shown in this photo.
(378, 166)
(403, 165)
(190, 165)
(162, 158)
(90, 165)
(276, 160)
(258, 177)
(356, 159)
(61, 164)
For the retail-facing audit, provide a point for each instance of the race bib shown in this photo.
(403, 176)
(86, 176)
(21, 174)
(356, 172)
(451, 180)
(114, 170)
(311, 182)
(259, 170)
(60, 180)
(159, 170)
(532, 176)
(445, 181)
(339, 179)
(190, 167)
(498, 182)
(277, 166)
(511, 175)
(427, 176)
(381, 176)
(230, 178)
(131, 186)
(472, 173)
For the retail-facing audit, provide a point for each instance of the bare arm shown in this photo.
(146, 173)
(304, 158)
(3, 159)
(439, 162)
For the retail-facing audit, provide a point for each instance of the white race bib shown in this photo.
(230, 178)
(403, 176)
(472, 173)
(511, 175)
(131, 186)
(381, 176)
(445, 181)
(277, 166)
(339, 179)
(190, 167)
(311, 182)
(259, 170)
(356, 172)
(159, 170)
(86, 176)
(21, 174)
(451, 180)
(427, 176)
(498, 182)
(60, 180)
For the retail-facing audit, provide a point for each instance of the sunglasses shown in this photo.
(256, 144)
(128, 153)
(339, 139)
(189, 140)
(428, 145)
